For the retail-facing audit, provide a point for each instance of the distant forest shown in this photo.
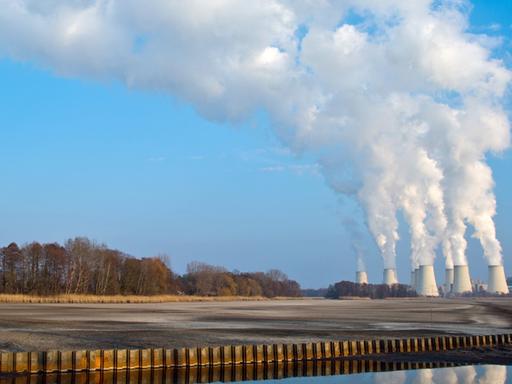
(373, 291)
(81, 266)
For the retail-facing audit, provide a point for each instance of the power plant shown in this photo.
(413, 278)
(497, 282)
(361, 277)
(448, 280)
(461, 280)
(457, 280)
(390, 276)
(426, 282)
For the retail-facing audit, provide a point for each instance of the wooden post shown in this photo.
(258, 358)
(308, 351)
(51, 359)
(278, 352)
(203, 355)
(227, 357)
(66, 362)
(345, 348)
(21, 362)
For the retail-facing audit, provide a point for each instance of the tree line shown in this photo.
(373, 291)
(80, 266)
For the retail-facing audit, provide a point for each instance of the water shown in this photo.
(357, 372)
(482, 374)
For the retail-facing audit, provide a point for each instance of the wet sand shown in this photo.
(34, 327)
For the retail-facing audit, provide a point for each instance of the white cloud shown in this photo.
(364, 99)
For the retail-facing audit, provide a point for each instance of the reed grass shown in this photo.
(121, 299)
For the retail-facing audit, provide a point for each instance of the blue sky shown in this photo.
(146, 174)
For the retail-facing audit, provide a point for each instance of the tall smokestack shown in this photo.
(448, 280)
(361, 277)
(390, 276)
(413, 279)
(416, 278)
(461, 280)
(497, 281)
(427, 281)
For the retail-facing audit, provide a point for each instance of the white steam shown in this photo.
(399, 102)
(356, 231)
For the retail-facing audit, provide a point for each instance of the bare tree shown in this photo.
(85, 267)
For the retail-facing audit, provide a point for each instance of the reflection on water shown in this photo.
(396, 377)
(494, 375)
(461, 375)
(484, 374)
(424, 376)
(331, 372)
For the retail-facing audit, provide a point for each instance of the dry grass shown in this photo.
(120, 299)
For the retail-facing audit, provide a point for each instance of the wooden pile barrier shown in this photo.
(125, 359)
(225, 373)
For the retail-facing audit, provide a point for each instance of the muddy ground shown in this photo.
(34, 327)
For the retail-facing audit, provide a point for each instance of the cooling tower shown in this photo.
(497, 282)
(461, 280)
(390, 276)
(448, 280)
(361, 277)
(427, 281)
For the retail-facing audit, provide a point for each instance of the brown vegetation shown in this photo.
(82, 268)
(120, 299)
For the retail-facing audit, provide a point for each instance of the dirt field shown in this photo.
(32, 327)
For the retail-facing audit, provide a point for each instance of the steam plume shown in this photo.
(398, 101)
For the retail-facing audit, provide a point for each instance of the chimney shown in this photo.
(390, 276)
(448, 280)
(497, 281)
(461, 280)
(361, 277)
(427, 282)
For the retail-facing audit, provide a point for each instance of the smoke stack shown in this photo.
(413, 279)
(461, 280)
(390, 276)
(427, 282)
(448, 280)
(497, 282)
(361, 277)
(416, 278)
